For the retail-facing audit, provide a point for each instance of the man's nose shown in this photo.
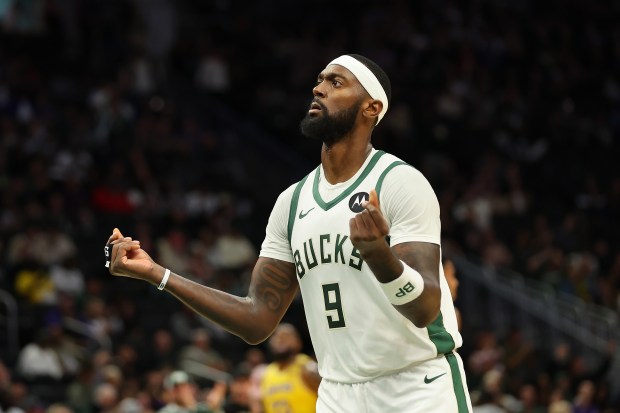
(318, 90)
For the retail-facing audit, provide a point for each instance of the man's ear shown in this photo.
(373, 109)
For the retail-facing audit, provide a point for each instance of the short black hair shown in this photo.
(379, 74)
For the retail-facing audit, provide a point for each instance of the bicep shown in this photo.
(272, 288)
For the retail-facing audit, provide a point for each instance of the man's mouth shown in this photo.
(314, 108)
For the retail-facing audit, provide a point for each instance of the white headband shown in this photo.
(367, 79)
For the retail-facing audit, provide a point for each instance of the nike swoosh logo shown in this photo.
(302, 215)
(432, 379)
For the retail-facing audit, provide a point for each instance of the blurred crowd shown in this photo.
(110, 115)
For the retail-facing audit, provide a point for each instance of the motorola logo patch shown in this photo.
(355, 202)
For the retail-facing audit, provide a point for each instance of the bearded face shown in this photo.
(329, 127)
(284, 344)
(284, 354)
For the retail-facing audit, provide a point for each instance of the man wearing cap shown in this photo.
(360, 235)
(181, 395)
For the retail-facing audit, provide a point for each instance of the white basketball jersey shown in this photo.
(356, 332)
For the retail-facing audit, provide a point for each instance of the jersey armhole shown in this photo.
(293, 209)
(380, 185)
(385, 172)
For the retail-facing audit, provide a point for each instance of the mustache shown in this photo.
(318, 102)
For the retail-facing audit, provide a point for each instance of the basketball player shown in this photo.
(289, 384)
(360, 235)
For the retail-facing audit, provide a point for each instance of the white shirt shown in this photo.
(356, 332)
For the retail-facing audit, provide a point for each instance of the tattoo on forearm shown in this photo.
(273, 282)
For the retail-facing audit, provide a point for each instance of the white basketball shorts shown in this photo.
(436, 385)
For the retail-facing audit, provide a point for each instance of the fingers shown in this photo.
(373, 199)
(366, 221)
(353, 229)
(124, 247)
(373, 213)
(370, 223)
(378, 220)
(363, 227)
(116, 235)
(372, 205)
(120, 251)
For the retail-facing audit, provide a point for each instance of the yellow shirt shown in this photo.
(284, 391)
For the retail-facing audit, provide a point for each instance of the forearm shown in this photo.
(253, 317)
(231, 312)
(386, 265)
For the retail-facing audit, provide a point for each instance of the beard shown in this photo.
(283, 355)
(329, 127)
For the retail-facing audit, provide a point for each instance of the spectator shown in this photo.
(199, 352)
(584, 400)
(68, 277)
(173, 249)
(106, 398)
(528, 397)
(7, 402)
(80, 392)
(292, 380)
(182, 395)
(507, 95)
(39, 359)
(162, 351)
(233, 251)
(239, 399)
(560, 406)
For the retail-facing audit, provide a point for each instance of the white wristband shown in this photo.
(405, 288)
(164, 280)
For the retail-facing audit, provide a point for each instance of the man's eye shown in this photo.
(336, 83)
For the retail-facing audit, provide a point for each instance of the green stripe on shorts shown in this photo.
(457, 383)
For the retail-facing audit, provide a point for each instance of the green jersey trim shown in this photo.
(384, 173)
(457, 384)
(327, 205)
(293, 210)
(443, 341)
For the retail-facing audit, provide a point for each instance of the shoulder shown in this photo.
(303, 359)
(271, 369)
(283, 203)
(387, 163)
(397, 176)
(289, 193)
(392, 163)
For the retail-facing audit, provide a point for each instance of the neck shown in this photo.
(343, 159)
(282, 364)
